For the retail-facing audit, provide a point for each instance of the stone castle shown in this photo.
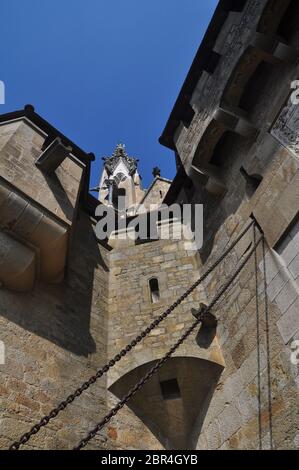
(70, 302)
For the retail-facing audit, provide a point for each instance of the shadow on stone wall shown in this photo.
(59, 193)
(62, 313)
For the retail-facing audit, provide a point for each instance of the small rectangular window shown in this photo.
(170, 389)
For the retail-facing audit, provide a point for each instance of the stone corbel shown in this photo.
(273, 49)
(17, 264)
(210, 177)
(53, 156)
(32, 242)
(235, 123)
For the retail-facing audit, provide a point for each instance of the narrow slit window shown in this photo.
(154, 290)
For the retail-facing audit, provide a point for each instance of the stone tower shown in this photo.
(120, 183)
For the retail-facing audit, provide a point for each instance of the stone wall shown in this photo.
(256, 399)
(54, 331)
(175, 265)
(55, 338)
(21, 144)
(156, 193)
(256, 396)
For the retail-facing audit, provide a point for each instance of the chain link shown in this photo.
(45, 420)
(161, 362)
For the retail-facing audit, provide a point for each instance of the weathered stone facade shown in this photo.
(155, 195)
(235, 138)
(240, 151)
(55, 334)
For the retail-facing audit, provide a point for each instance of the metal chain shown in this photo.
(259, 398)
(45, 420)
(161, 362)
(267, 345)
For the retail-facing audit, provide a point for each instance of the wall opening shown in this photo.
(154, 290)
(220, 150)
(273, 14)
(176, 423)
(188, 115)
(257, 87)
(170, 389)
(119, 198)
(288, 26)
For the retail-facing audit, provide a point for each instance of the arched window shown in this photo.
(154, 290)
(119, 198)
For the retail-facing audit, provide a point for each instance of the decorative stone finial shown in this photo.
(29, 108)
(111, 163)
(156, 171)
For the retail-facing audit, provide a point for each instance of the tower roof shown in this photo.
(110, 163)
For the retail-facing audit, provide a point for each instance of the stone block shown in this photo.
(287, 250)
(288, 324)
(294, 267)
(287, 296)
(273, 265)
(229, 422)
(277, 284)
(247, 405)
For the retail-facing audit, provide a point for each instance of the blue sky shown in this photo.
(102, 71)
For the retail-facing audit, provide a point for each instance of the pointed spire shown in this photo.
(120, 152)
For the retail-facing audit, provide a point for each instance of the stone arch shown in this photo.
(206, 146)
(253, 76)
(147, 354)
(174, 402)
(270, 46)
(239, 78)
(203, 169)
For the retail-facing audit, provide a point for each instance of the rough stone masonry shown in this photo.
(69, 302)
